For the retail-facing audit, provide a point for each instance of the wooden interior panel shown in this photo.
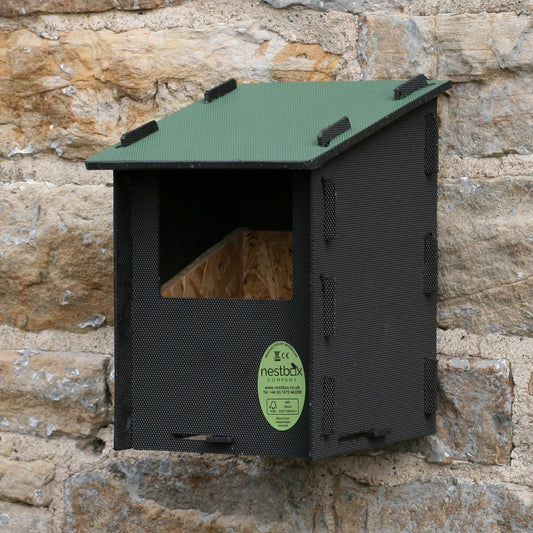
(245, 264)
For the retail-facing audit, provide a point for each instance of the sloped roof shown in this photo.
(270, 125)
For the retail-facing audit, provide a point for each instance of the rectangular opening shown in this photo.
(226, 233)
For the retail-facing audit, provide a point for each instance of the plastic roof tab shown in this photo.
(271, 125)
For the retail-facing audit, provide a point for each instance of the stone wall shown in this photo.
(72, 81)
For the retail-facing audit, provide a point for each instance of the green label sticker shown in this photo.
(281, 385)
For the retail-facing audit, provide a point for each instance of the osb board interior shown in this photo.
(245, 264)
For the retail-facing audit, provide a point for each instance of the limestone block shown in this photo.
(488, 118)
(523, 406)
(352, 6)
(17, 518)
(111, 381)
(211, 486)
(397, 47)
(457, 47)
(26, 482)
(51, 394)
(343, 505)
(56, 248)
(519, 350)
(423, 7)
(453, 166)
(14, 8)
(486, 255)
(50, 168)
(96, 498)
(475, 408)
(50, 98)
(426, 507)
(98, 341)
(415, 7)
(474, 47)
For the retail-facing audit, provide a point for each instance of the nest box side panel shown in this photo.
(374, 289)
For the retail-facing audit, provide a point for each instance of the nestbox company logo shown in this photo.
(282, 370)
(281, 385)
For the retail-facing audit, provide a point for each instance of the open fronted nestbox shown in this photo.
(276, 270)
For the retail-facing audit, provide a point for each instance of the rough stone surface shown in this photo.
(56, 255)
(488, 119)
(475, 411)
(17, 518)
(352, 6)
(416, 7)
(304, 62)
(453, 166)
(518, 351)
(434, 506)
(486, 255)
(346, 506)
(51, 394)
(99, 341)
(51, 169)
(502, 43)
(97, 502)
(14, 8)
(392, 47)
(269, 493)
(26, 482)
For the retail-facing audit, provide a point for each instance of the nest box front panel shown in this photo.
(188, 367)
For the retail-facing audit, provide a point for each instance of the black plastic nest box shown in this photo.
(276, 270)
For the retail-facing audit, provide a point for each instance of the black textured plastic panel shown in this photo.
(328, 305)
(430, 386)
(194, 361)
(330, 227)
(430, 264)
(431, 145)
(328, 406)
(385, 325)
(123, 337)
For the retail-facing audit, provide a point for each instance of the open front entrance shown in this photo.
(226, 234)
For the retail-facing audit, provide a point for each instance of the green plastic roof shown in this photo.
(267, 125)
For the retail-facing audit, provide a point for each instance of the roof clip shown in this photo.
(139, 133)
(410, 86)
(333, 130)
(220, 90)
